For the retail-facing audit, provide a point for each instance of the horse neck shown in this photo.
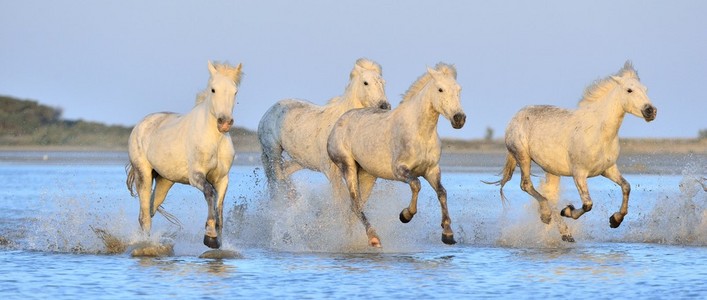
(609, 113)
(201, 119)
(419, 107)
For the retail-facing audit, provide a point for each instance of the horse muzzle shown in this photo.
(649, 112)
(224, 124)
(458, 120)
(383, 104)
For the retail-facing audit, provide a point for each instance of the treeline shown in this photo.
(29, 123)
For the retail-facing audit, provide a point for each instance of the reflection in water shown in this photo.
(188, 266)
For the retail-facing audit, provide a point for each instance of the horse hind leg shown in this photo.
(272, 160)
(550, 187)
(580, 180)
(527, 185)
(143, 183)
(162, 186)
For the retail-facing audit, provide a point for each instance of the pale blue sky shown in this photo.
(116, 61)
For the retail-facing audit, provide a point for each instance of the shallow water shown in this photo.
(50, 204)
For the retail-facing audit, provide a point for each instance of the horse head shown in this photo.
(222, 89)
(367, 84)
(633, 95)
(446, 94)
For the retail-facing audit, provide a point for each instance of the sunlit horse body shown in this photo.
(194, 148)
(580, 143)
(300, 128)
(401, 144)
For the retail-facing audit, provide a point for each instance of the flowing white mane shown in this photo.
(368, 65)
(226, 70)
(600, 87)
(421, 81)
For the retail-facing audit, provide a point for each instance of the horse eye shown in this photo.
(441, 90)
(629, 91)
(213, 91)
(365, 83)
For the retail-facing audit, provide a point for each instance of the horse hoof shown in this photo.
(567, 211)
(404, 216)
(374, 242)
(568, 238)
(615, 221)
(212, 242)
(448, 239)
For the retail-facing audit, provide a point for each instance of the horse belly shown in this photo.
(556, 163)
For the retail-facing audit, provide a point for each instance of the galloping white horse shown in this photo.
(194, 149)
(401, 145)
(580, 143)
(301, 128)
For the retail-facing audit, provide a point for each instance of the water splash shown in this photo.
(678, 218)
(663, 209)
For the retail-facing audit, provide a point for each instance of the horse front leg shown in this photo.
(409, 212)
(580, 180)
(434, 177)
(614, 175)
(211, 236)
(221, 187)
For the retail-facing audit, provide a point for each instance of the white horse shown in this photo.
(580, 143)
(401, 145)
(301, 128)
(194, 149)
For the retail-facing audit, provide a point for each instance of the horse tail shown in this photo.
(170, 217)
(507, 174)
(130, 182)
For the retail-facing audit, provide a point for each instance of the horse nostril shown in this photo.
(219, 120)
(459, 117)
(384, 105)
(458, 120)
(230, 122)
(649, 112)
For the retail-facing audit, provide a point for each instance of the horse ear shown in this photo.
(356, 70)
(359, 68)
(628, 65)
(433, 72)
(212, 69)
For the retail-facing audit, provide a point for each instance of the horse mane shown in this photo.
(600, 87)
(421, 81)
(225, 69)
(368, 65)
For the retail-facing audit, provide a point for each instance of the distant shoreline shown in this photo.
(628, 146)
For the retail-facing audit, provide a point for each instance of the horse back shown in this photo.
(303, 129)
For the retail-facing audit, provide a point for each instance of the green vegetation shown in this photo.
(26, 123)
